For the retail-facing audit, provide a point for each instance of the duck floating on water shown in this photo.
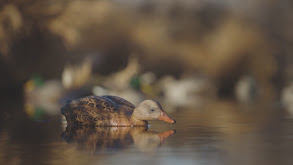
(112, 111)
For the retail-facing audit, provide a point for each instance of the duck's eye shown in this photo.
(152, 110)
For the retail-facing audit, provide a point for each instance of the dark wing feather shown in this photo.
(94, 102)
(119, 100)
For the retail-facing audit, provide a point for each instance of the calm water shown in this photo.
(222, 132)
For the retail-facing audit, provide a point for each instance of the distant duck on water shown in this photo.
(112, 111)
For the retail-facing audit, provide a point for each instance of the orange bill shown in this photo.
(164, 117)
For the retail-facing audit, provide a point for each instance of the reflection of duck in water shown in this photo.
(114, 138)
(112, 111)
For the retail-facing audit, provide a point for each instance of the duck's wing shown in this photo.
(119, 100)
(98, 103)
(122, 105)
(89, 110)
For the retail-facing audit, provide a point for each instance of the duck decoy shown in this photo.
(112, 111)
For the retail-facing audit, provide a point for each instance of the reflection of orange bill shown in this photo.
(164, 135)
(164, 117)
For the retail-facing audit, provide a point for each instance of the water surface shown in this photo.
(222, 132)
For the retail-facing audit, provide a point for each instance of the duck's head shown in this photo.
(151, 110)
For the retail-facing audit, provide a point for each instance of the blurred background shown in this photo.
(216, 66)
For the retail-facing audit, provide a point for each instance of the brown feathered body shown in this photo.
(101, 111)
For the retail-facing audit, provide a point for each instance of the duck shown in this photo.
(188, 91)
(286, 99)
(41, 98)
(111, 110)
